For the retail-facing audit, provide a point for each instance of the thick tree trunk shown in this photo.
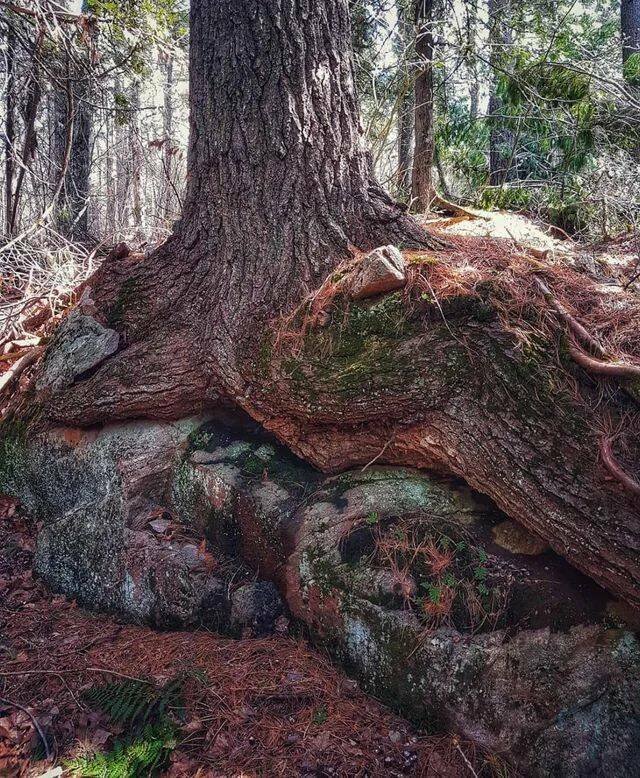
(280, 195)
(422, 184)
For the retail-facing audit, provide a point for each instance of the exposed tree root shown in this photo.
(615, 469)
(599, 367)
(574, 325)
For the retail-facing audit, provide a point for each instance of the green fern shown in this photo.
(131, 757)
(124, 702)
(136, 702)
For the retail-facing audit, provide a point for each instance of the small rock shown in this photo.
(159, 525)
(80, 344)
(515, 538)
(256, 606)
(381, 271)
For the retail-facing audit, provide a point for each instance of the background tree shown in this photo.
(422, 180)
(629, 28)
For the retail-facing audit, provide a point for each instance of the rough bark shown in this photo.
(422, 183)
(280, 191)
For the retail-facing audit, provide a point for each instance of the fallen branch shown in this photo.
(615, 469)
(34, 721)
(457, 210)
(16, 370)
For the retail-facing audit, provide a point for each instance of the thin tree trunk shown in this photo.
(500, 138)
(471, 7)
(169, 204)
(10, 132)
(422, 181)
(137, 163)
(110, 208)
(73, 201)
(32, 104)
(122, 161)
(406, 99)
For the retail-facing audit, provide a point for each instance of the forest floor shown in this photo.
(251, 707)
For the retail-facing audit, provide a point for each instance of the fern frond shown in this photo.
(143, 755)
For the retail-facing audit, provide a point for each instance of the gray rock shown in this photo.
(381, 271)
(80, 344)
(520, 663)
(534, 675)
(93, 492)
(256, 607)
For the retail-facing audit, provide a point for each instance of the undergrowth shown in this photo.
(130, 757)
(148, 714)
(442, 575)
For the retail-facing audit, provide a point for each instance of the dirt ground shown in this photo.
(254, 707)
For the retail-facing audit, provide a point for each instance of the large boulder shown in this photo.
(410, 584)
(419, 588)
(96, 494)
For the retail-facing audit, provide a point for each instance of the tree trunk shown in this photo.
(9, 131)
(280, 196)
(72, 218)
(122, 159)
(422, 183)
(169, 204)
(110, 184)
(471, 8)
(500, 138)
(406, 99)
(630, 27)
(138, 209)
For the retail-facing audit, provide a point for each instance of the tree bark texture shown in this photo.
(281, 200)
(422, 182)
